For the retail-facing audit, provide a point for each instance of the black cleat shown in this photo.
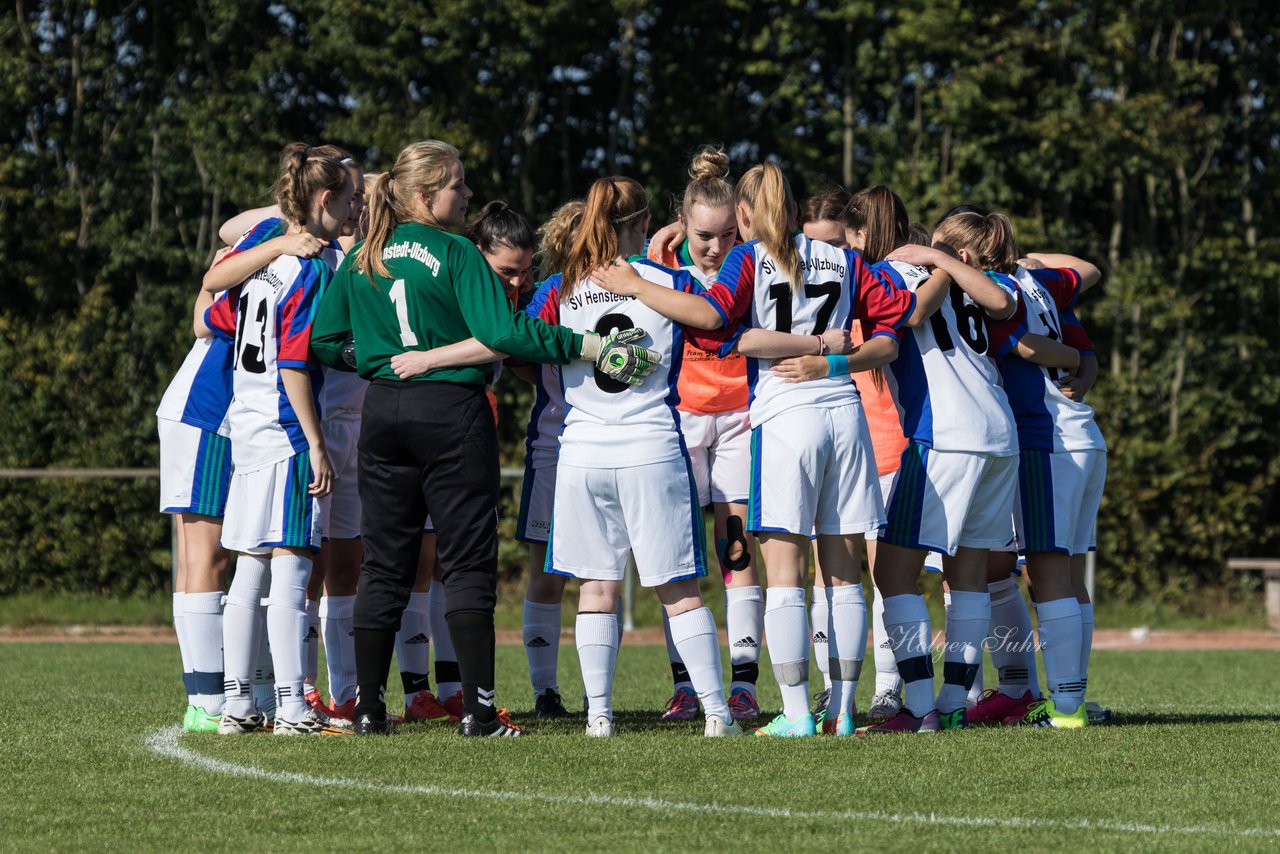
(500, 727)
(368, 723)
(549, 705)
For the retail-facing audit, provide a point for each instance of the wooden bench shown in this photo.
(1270, 568)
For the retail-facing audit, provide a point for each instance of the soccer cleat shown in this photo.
(783, 727)
(994, 707)
(842, 725)
(719, 728)
(549, 705)
(341, 712)
(743, 705)
(1044, 714)
(953, 720)
(500, 727)
(904, 721)
(198, 720)
(371, 724)
(453, 705)
(820, 701)
(314, 701)
(683, 706)
(601, 727)
(312, 723)
(425, 707)
(1097, 714)
(884, 705)
(231, 725)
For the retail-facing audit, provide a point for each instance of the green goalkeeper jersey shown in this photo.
(441, 291)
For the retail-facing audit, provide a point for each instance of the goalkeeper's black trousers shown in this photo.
(427, 448)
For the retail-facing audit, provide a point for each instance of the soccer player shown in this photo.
(955, 488)
(278, 449)
(1063, 456)
(713, 395)
(428, 443)
(195, 474)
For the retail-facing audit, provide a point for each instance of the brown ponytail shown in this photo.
(421, 168)
(881, 213)
(766, 193)
(555, 237)
(989, 238)
(303, 174)
(612, 203)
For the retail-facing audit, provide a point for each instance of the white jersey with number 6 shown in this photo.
(609, 424)
(946, 388)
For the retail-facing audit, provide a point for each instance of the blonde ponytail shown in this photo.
(304, 172)
(766, 193)
(422, 168)
(611, 203)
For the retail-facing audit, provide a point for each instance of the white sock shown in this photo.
(694, 633)
(887, 678)
(744, 618)
(1086, 645)
(679, 673)
(179, 628)
(413, 645)
(846, 644)
(820, 623)
(597, 638)
(975, 690)
(968, 616)
(264, 672)
(1060, 643)
(204, 637)
(242, 632)
(339, 646)
(541, 633)
(443, 644)
(786, 631)
(287, 629)
(313, 646)
(906, 623)
(1013, 647)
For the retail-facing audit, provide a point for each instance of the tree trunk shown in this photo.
(846, 108)
(622, 107)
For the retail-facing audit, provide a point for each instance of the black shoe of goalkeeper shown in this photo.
(471, 727)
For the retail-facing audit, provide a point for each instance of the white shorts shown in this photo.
(271, 508)
(650, 511)
(933, 560)
(537, 497)
(340, 510)
(720, 453)
(943, 500)
(1058, 499)
(195, 469)
(813, 472)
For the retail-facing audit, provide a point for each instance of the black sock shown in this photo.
(447, 671)
(373, 662)
(472, 633)
(746, 673)
(679, 673)
(414, 682)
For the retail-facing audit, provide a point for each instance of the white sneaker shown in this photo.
(311, 724)
(719, 728)
(229, 724)
(885, 705)
(601, 727)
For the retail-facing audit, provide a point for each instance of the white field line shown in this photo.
(165, 742)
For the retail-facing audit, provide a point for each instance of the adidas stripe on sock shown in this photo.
(744, 619)
(541, 635)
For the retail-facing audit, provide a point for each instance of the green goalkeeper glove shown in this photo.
(618, 357)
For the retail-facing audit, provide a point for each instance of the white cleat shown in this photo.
(719, 728)
(885, 705)
(601, 727)
(232, 725)
(311, 724)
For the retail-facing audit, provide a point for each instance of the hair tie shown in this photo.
(620, 220)
(391, 174)
(347, 161)
(306, 151)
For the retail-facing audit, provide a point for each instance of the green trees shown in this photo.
(1141, 136)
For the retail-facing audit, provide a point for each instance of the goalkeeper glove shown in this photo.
(618, 357)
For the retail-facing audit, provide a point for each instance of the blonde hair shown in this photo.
(708, 184)
(988, 238)
(556, 236)
(304, 172)
(421, 168)
(611, 203)
(766, 193)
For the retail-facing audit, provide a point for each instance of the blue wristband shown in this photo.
(837, 365)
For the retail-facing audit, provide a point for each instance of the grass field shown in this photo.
(93, 760)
